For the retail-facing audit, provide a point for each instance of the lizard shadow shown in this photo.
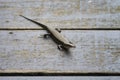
(66, 51)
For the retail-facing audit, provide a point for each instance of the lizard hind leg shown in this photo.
(58, 29)
(46, 36)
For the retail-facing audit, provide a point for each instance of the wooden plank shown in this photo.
(60, 78)
(60, 13)
(24, 51)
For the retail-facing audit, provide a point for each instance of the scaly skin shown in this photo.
(55, 35)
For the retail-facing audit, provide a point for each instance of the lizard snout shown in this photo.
(70, 45)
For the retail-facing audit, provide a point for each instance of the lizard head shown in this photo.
(69, 45)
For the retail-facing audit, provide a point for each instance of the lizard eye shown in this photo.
(70, 42)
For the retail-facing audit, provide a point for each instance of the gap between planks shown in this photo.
(61, 29)
(52, 73)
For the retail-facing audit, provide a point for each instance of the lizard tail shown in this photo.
(40, 24)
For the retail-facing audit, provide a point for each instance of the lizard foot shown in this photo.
(59, 30)
(60, 47)
(46, 36)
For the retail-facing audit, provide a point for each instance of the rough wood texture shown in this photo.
(60, 78)
(96, 51)
(22, 50)
(61, 13)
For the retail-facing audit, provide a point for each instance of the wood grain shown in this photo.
(60, 13)
(26, 51)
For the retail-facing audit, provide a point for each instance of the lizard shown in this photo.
(55, 34)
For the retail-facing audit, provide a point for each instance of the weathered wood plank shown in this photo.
(60, 78)
(24, 51)
(61, 13)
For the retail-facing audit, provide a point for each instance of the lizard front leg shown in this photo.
(60, 47)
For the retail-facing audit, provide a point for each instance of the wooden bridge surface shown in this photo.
(92, 25)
